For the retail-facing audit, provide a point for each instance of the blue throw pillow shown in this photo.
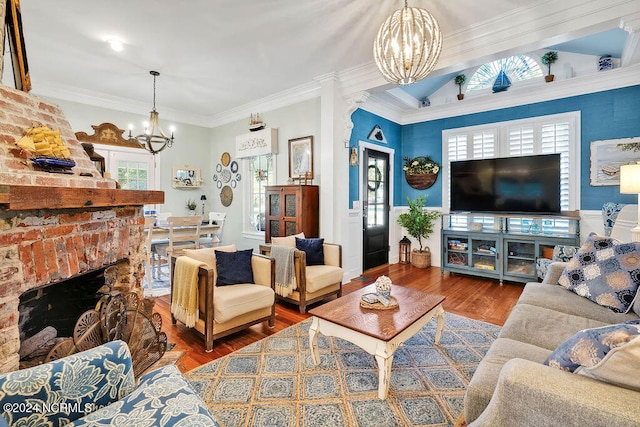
(606, 271)
(588, 347)
(313, 248)
(234, 267)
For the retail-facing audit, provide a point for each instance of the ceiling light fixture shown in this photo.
(408, 45)
(116, 44)
(152, 142)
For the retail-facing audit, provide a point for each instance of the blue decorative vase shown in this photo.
(502, 82)
(605, 63)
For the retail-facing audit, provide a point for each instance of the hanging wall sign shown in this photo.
(257, 143)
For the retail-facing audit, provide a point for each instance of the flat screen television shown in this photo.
(526, 184)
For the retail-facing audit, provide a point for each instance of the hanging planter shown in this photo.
(420, 172)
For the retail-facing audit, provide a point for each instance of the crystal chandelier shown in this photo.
(408, 45)
(152, 141)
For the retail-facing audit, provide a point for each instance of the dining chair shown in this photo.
(217, 218)
(184, 233)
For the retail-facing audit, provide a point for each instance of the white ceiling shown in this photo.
(217, 55)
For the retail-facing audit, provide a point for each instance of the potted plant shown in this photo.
(460, 80)
(420, 172)
(548, 59)
(191, 205)
(419, 224)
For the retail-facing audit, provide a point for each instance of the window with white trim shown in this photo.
(557, 133)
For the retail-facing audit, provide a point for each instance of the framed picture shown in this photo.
(301, 157)
(608, 155)
(13, 19)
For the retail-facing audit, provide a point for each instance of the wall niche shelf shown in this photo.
(503, 247)
(186, 177)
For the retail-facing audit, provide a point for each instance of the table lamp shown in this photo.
(204, 199)
(630, 184)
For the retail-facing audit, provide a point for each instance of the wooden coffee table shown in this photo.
(378, 332)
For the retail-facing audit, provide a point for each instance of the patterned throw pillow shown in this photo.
(610, 353)
(605, 271)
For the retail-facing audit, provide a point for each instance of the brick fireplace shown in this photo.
(57, 226)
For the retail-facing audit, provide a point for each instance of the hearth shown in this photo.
(53, 226)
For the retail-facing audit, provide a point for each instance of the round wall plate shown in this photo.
(225, 159)
(226, 196)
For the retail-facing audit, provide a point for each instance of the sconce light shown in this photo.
(204, 199)
(353, 157)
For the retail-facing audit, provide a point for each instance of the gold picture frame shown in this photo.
(301, 158)
(13, 20)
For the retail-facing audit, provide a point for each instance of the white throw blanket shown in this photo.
(285, 269)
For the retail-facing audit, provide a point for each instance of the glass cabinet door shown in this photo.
(483, 254)
(457, 251)
(521, 257)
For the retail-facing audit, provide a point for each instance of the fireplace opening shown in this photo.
(48, 315)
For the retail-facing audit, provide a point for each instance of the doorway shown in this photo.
(375, 208)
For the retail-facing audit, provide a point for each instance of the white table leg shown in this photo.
(384, 375)
(313, 341)
(440, 327)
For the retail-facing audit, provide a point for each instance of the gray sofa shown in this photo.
(512, 387)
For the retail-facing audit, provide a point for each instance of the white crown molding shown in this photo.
(101, 100)
(279, 100)
(598, 82)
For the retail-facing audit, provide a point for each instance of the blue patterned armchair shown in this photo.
(97, 387)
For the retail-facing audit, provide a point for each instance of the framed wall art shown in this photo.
(608, 155)
(301, 158)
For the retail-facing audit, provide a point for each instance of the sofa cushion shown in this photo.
(621, 366)
(599, 350)
(232, 301)
(321, 276)
(289, 241)
(234, 267)
(163, 398)
(606, 271)
(314, 248)
(543, 327)
(558, 298)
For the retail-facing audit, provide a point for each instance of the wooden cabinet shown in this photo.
(292, 209)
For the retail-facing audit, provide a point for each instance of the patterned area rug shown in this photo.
(273, 382)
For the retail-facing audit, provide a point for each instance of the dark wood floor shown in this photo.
(467, 296)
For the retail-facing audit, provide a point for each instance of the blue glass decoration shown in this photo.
(502, 82)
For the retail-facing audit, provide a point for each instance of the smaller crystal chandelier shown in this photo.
(408, 45)
(152, 142)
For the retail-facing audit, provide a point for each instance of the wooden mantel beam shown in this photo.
(28, 197)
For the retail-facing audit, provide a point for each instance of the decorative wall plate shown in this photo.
(218, 168)
(225, 175)
(225, 159)
(238, 177)
(234, 166)
(233, 183)
(226, 196)
(219, 184)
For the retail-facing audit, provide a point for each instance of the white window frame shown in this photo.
(112, 155)
(502, 147)
(249, 231)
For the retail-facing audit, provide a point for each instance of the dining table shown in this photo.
(161, 232)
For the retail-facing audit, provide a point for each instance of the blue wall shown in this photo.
(364, 122)
(604, 115)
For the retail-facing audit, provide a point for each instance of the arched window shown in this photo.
(518, 67)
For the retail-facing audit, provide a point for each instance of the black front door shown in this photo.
(376, 209)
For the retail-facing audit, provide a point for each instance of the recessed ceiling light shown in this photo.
(116, 44)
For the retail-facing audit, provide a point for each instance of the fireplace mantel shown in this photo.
(27, 197)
